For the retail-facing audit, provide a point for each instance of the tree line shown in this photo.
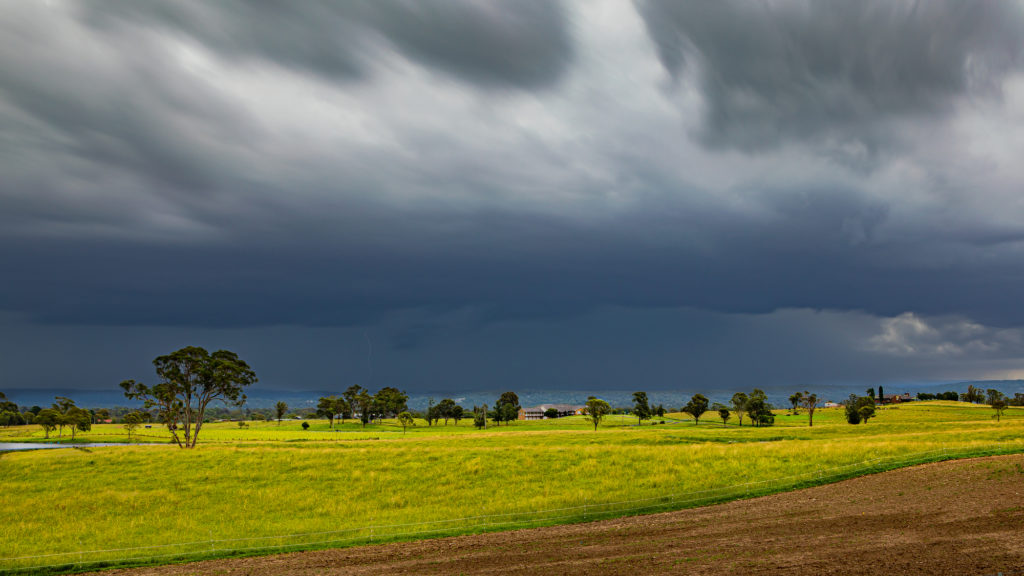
(356, 402)
(191, 378)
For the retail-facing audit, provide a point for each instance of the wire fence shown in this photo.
(66, 561)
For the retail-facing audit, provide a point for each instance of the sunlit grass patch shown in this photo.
(244, 488)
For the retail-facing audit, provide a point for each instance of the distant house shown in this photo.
(537, 412)
(896, 398)
(831, 405)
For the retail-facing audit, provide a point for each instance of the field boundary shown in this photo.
(82, 560)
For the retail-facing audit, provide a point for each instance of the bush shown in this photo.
(305, 425)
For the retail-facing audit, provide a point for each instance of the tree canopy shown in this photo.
(998, 401)
(810, 401)
(480, 416)
(329, 407)
(739, 405)
(389, 401)
(595, 410)
(759, 409)
(506, 409)
(78, 419)
(445, 409)
(190, 379)
(859, 408)
(132, 420)
(48, 419)
(405, 419)
(723, 413)
(795, 400)
(974, 395)
(641, 407)
(696, 407)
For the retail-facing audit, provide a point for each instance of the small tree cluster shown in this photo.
(332, 407)
(951, 395)
(506, 409)
(445, 410)
(759, 409)
(973, 395)
(11, 416)
(859, 409)
(795, 401)
(357, 401)
(480, 416)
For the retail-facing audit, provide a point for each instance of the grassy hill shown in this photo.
(268, 487)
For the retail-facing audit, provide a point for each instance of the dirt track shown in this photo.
(962, 518)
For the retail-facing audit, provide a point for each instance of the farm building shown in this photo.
(896, 398)
(537, 412)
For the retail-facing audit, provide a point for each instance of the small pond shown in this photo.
(9, 446)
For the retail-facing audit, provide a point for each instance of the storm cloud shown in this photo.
(534, 184)
(835, 72)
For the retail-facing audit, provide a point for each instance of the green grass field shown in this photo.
(243, 491)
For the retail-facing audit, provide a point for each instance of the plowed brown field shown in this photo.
(961, 517)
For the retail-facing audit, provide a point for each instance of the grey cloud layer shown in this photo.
(522, 43)
(833, 70)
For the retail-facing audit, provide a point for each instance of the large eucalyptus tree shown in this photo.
(190, 379)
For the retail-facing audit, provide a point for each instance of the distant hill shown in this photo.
(266, 398)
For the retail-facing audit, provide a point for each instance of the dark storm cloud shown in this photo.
(810, 251)
(515, 182)
(832, 70)
(687, 351)
(523, 43)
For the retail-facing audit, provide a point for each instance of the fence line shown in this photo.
(535, 517)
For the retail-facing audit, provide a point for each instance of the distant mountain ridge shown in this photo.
(266, 398)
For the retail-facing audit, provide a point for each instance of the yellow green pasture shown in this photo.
(251, 490)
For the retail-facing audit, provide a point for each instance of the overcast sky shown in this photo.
(468, 195)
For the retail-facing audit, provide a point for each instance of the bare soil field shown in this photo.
(959, 518)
